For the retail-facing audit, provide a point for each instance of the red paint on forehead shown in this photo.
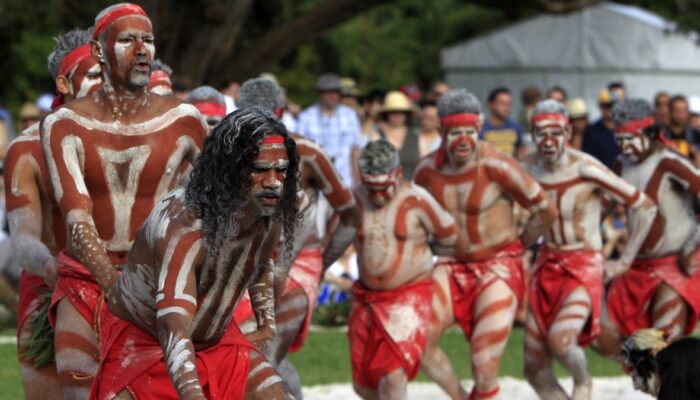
(73, 58)
(119, 12)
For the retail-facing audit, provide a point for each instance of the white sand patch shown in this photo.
(611, 388)
(8, 340)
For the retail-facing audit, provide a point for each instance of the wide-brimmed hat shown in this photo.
(577, 108)
(396, 101)
(328, 83)
(29, 111)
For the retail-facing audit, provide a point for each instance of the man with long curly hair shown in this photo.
(203, 245)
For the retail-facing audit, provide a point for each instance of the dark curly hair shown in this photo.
(220, 183)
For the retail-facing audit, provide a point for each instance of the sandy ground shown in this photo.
(613, 388)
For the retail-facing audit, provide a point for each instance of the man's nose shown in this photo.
(140, 48)
(270, 179)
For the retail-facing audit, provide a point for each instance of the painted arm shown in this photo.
(63, 153)
(178, 256)
(262, 292)
(24, 212)
(329, 182)
(447, 240)
(642, 212)
(687, 176)
(525, 191)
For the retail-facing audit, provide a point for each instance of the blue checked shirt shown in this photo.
(338, 134)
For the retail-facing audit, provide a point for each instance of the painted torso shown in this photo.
(27, 149)
(670, 181)
(576, 185)
(392, 243)
(117, 170)
(476, 198)
(168, 246)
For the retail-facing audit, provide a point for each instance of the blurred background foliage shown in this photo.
(380, 43)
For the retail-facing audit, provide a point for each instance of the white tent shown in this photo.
(582, 52)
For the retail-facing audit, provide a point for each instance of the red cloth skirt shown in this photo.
(629, 296)
(132, 359)
(388, 330)
(557, 274)
(78, 285)
(470, 279)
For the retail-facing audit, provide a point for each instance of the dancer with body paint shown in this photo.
(203, 245)
(659, 290)
(566, 287)
(111, 156)
(391, 307)
(160, 79)
(479, 186)
(297, 278)
(37, 229)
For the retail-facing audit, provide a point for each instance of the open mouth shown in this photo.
(463, 151)
(143, 67)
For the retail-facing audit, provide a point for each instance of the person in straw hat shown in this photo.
(394, 127)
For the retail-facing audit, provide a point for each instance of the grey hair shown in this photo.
(262, 92)
(631, 109)
(66, 43)
(457, 101)
(159, 65)
(379, 157)
(550, 106)
(204, 93)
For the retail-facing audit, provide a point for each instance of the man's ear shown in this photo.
(399, 171)
(63, 85)
(96, 50)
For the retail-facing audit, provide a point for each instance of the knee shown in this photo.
(560, 345)
(395, 381)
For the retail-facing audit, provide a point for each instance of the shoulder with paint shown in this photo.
(426, 165)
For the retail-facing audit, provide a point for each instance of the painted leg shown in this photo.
(563, 340)
(365, 393)
(263, 381)
(77, 352)
(538, 363)
(291, 377)
(393, 386)
(609, 342)
(669, 311)
(495, 311)
(290, 314)
(434, 362)
(39, 383)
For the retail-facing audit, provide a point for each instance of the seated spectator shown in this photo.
(679, 133)
(661, 110)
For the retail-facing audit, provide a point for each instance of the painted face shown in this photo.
(130, 50)
(381, 188)
(551, 141)
(85, 78)
(633, 146)
(270, 170)
(460, 142)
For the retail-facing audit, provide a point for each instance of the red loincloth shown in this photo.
(305, 274)
(76, 283)
(469, 279)
(31, 288)
(557, 274)
(629, 296)
(132, 359)
(388, 330)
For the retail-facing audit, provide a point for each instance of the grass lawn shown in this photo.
(325, 359)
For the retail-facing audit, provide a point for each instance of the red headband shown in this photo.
(635, 125)
(549, 116)
(275, 139)
(463, 119)
(159, 78)
(122, 11)
(211, 109)
(72, 59)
